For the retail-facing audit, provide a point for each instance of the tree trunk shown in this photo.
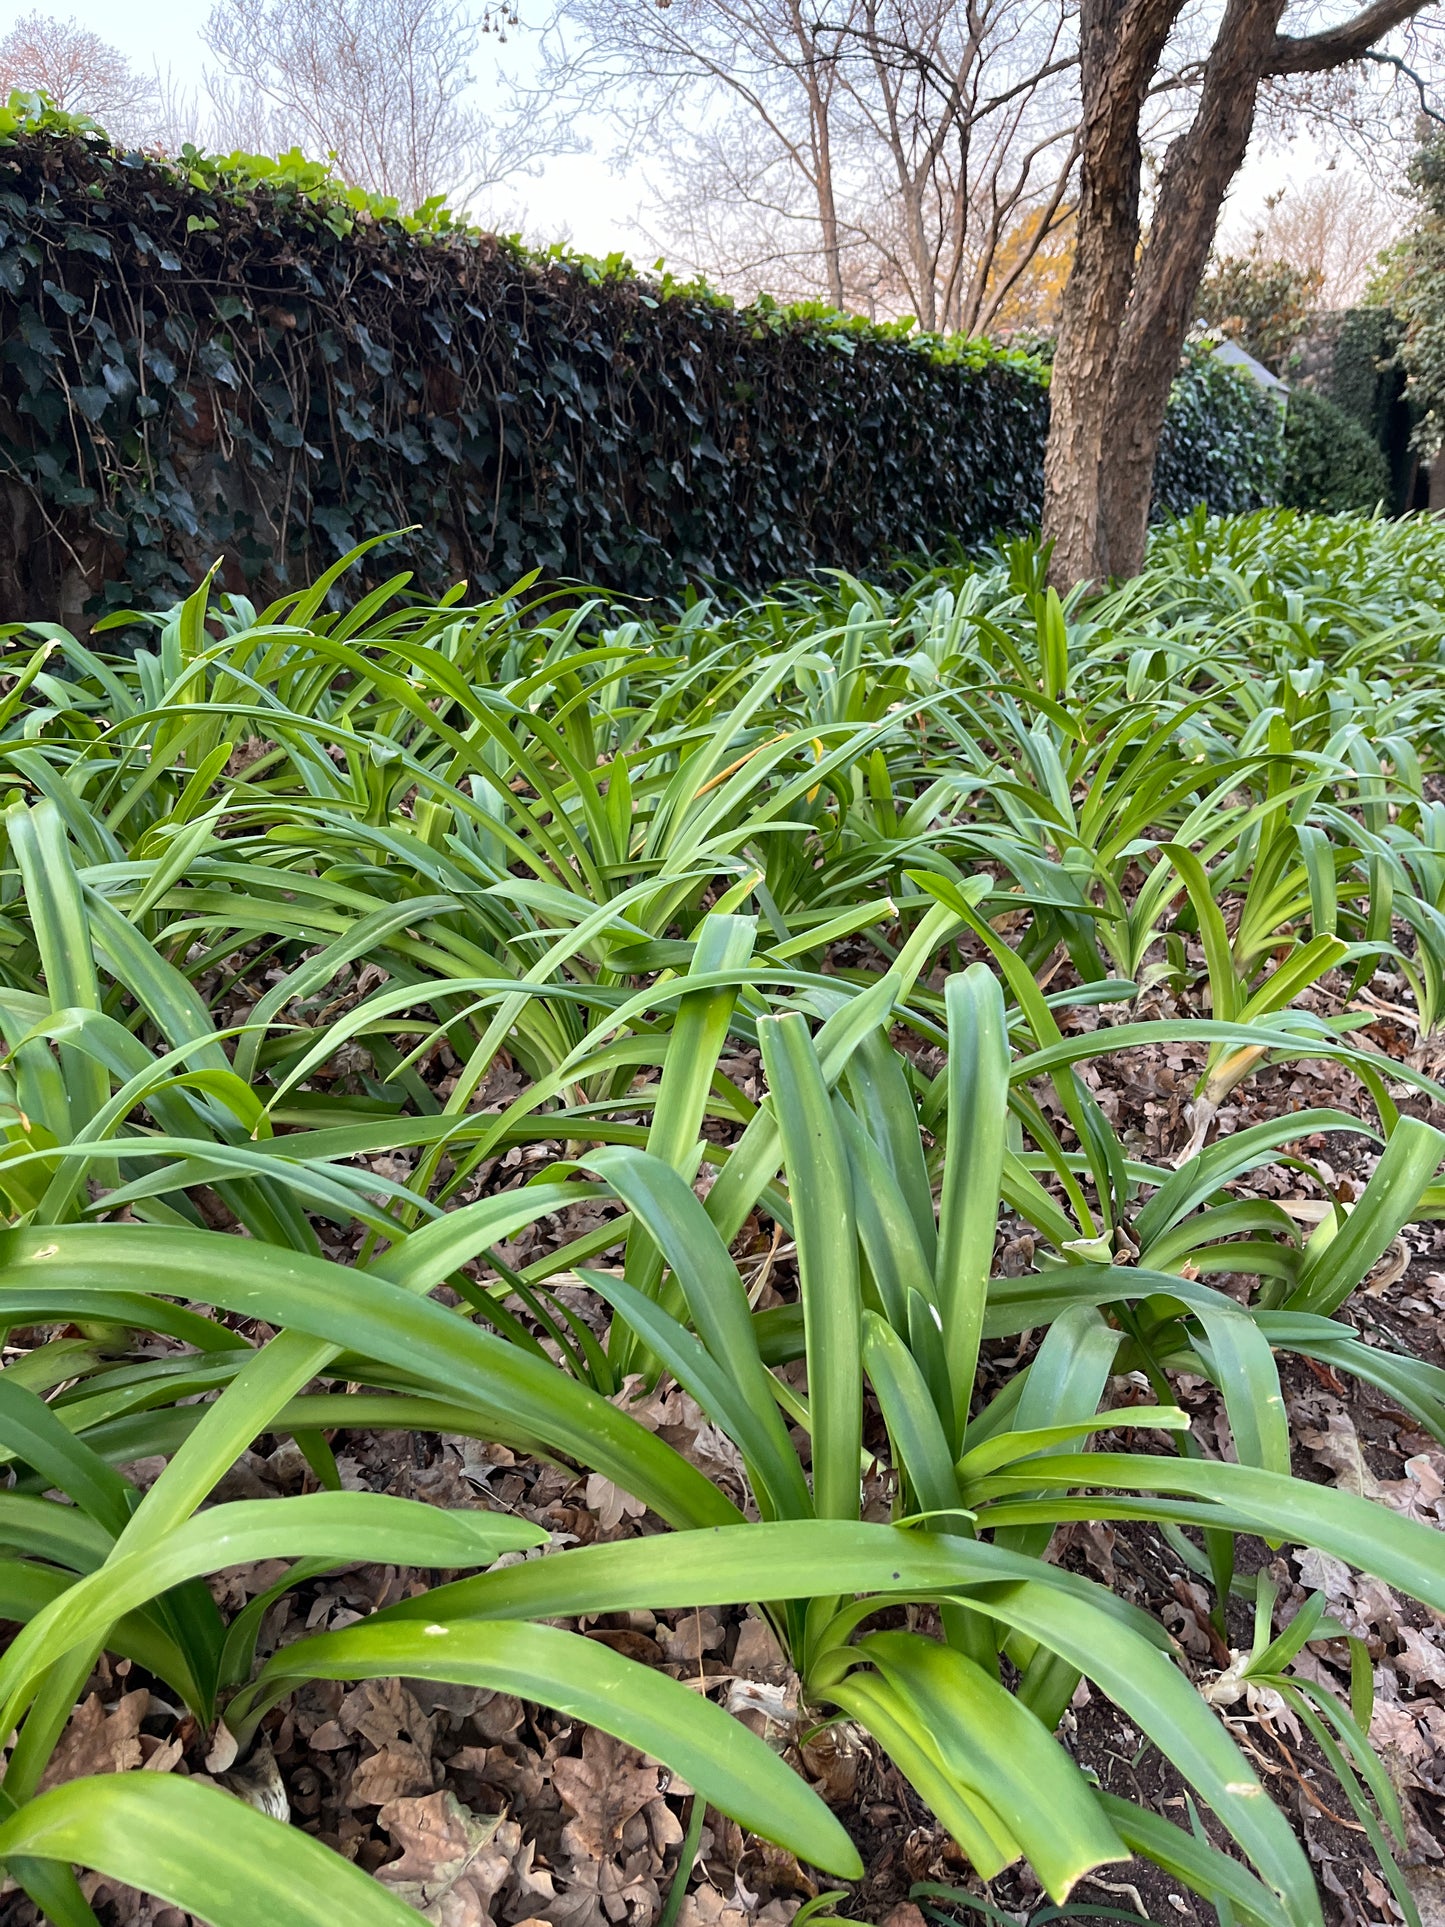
(1120, 43)
(827, 204)
(1197, 172)
(925, 289)
(832, 251)
(1124, 321)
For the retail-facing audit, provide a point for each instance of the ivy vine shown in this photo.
(245, 359)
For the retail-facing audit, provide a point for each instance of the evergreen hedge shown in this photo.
(1331, 462)
(242, 358)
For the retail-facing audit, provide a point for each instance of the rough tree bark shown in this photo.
(1126, 312)
(1120, 45)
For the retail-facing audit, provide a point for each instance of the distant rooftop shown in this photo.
(1233, 356)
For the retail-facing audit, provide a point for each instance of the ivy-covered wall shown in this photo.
(205, 359)
(1351, 358)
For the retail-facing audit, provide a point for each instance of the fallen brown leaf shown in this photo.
(97, 1741)
(399, 1771)
(708, 1908)
(453, 1861)
(605, 1788)
(758, 1653)
(610, 1503)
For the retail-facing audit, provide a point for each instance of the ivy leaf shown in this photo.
(92, 402)
(80, 240)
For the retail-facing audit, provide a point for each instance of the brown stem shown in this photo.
(1120, 45)
(1197, 172)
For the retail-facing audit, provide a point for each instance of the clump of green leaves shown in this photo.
(269, 875)
(1412, 279)
(1262, 304)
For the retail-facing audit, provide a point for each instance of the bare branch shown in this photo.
(902, 132)
(1317, 53)
(1417, 80)
(383, 85)
(81, 73)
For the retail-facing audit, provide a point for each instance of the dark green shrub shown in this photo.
(1221, 442)
(1330, 461)
(1354, 361)
(1365, 377)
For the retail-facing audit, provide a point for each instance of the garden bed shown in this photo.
(736, 1001)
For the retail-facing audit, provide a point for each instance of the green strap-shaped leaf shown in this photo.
(1014, 1304)
(960, 1806)
(1294, 1034)
(920, 1445)
(61, 1533)
(681, 1231)
(61, 927)
(1191, 1858)
(744, 1563)
(1245, 1372)
(1417, 1387)
(1006, 1447)
(718, 1756)
(1403, 1553)
(1063, 1384)
(898, 1259)
(26, 1589)
(1218, 956)
(1299, 970)
(1390, 1200)
(699, 1032)
(1151, 1690)
(50, 1884)
(30, 1429)
(978, 1081)
(364, 938)
(338, 1526)
(353, 1311)
(200, 1849)
(21, 1304)
(820, 1192)
(1319, 860)
(777, 1478)
(992, 1743)
(1202, 1175)
(1218, 1222)
(877, 1078)
(754, 1158)
(169, 997)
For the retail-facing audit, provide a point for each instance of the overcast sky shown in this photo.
(577, 197)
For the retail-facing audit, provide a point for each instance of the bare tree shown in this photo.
(385, 86)
(738, 94)
(736, 206)
(875, 151)
(1331, 226)
(970, 107)
(80, 73)
(1130, 300)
